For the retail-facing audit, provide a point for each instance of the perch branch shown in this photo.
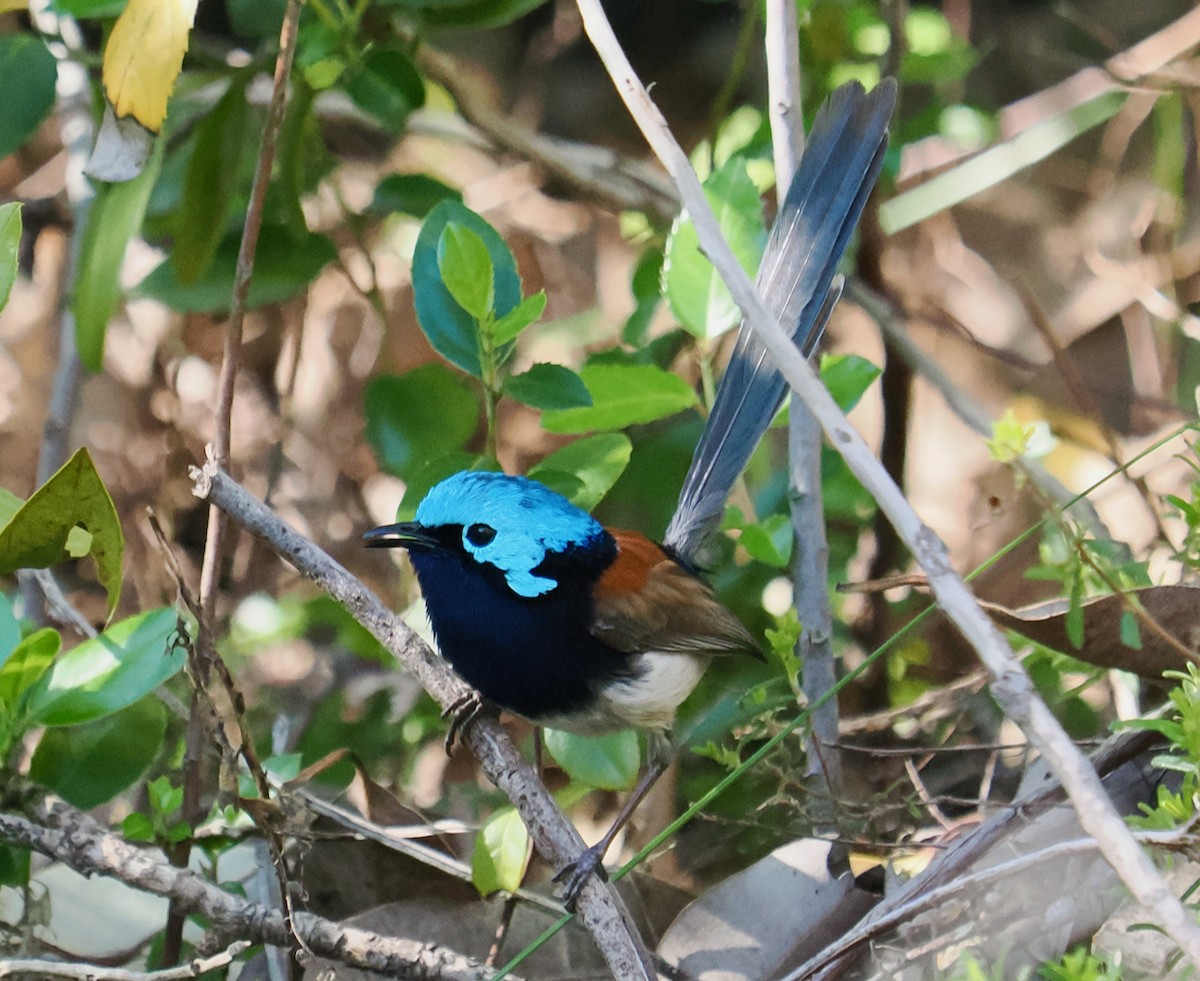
(599, 909)
(1011, 686)
(16, 967)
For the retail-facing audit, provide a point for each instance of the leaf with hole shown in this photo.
(38, 534)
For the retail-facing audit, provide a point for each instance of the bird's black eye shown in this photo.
(480, 535)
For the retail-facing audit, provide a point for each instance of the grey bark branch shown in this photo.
(62, 832)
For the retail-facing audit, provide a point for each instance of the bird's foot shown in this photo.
(461, 712)
(575, 875)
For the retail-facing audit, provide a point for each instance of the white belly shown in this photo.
(647, 701)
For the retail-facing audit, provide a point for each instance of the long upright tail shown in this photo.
(837, 171)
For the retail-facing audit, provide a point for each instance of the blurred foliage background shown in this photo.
(1029, 259)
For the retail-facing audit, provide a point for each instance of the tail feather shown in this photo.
(836, 174)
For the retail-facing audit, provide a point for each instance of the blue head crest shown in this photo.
(530, 521)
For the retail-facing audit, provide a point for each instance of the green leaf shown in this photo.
(10, 246)
(699, 299)
(646, 286)
(137, 827)
(95, 9)
(387, 86)
(623, 395)
(411, 194)
(548, 387)
(90, 764)
(594, 462)
(27, 663)
(213, 173)
(769, 541)
(608, 762)
(501, 855)
(423, 479)
(466, 269)
(528, 311)
(106, 673)
(36, 536)
(14, 866)
(10, 630)
(1131, 635)
(28, 74)
(284, 265)
(414, 417)
(452, 331)
(847, 376)
(113, 219)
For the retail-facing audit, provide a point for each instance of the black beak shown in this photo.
(407, 534)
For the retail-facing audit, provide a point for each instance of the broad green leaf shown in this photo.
(595, 463)
(387, 86)
(1131, 635)
(37, 535)
(698, 298)
(27, 77)
(528, 311)
(769, 541)
(548, 387)
(113, 219)
(411, 194)
(106, 673)
(137, 827)
(213, 177)
(10, 630)
(10, 246)
(284, 265)
(623, 395)
(434, 472)
(847, 376)
(452, 331)
(90, 764)
(608, 762)
(414, 417)
(27, 663)
(10, 504)
(501, 855)
(466, 269)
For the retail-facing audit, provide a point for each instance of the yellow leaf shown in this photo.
(143, 58)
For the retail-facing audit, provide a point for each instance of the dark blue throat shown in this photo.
(533, 656)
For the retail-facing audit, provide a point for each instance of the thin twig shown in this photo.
(214, 544)
(15, 967)
(600, 908)
(810, 563)
(1011, 686)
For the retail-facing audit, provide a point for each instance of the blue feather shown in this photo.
(530, 521)
(839, 167)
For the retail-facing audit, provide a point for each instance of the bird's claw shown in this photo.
(575, 875)
(461, 712)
